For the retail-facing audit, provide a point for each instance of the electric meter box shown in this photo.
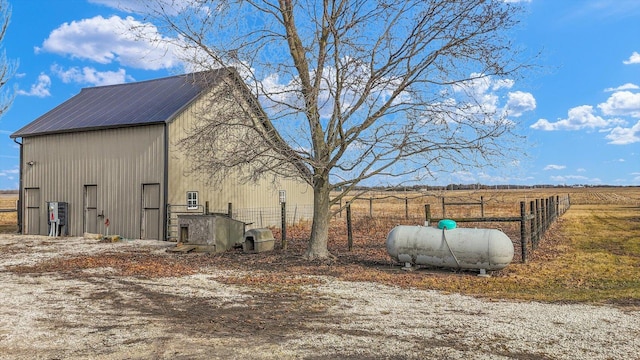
(57, 213)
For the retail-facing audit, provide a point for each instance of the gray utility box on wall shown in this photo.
(57, 218)
(258, 240)
(211, 232)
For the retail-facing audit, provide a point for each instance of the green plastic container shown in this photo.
(446, 224)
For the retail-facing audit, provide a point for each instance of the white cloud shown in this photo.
(624, 136)
(520, 102)
(109, 40)
(623, 103)
(40, 88)
(89, 75)
(485, 94)
(580, 117)
(554, 167)
(633, 59)
(627, 86)
(479, 85)
(10, 174)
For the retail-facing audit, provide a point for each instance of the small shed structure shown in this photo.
(110, 154)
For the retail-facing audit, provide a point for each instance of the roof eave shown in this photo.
(76, 130)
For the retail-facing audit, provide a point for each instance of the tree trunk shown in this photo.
(320, 228)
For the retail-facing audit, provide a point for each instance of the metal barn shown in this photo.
(108, 154)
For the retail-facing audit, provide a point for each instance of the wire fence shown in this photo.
(370, 219)
(252, 217)
(272, 216)
(525, 224)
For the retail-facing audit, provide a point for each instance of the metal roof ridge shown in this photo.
(151, 80)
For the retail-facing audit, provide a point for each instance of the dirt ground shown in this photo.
(76, 298)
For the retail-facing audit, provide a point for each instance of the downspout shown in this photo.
(20, 205)
(165, 234)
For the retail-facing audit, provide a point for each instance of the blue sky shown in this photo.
(579, 110)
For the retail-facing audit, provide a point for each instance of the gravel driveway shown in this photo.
(98, 313)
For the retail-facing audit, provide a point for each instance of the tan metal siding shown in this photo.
(117, 161)
(243, 196)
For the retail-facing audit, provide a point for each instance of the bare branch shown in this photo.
(347, 91)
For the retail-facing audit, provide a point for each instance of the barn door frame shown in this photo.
(90, 209)
(151, 214)
(32, 211)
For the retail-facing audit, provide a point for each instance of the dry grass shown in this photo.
(591, 255)
(497, 202)
(8, 220)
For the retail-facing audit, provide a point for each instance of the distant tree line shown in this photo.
(399, 188)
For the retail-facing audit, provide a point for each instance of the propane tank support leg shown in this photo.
(407, 266)
(483, 273)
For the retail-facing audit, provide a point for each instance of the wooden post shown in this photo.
(523, 231)
(206, 208)
(444, 211)
(538, 222)
(481, 206)
(406, 207)
(532, 223)
(283, 221)
(427, 214)
(349, 229)
(229, 210)
(545, 215)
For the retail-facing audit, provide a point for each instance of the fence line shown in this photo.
(252, 217)
(533, 223)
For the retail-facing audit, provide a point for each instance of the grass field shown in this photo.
(8, 220)
(592, 254)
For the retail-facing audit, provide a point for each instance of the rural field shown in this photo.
(576, 296)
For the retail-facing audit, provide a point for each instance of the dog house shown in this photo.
(258, 240)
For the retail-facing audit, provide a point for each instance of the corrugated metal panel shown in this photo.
(242, 196)
(117, 161)
(122, 105)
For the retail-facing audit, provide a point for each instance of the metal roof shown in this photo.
(130, 104)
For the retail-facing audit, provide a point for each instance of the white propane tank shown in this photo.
(461, 248)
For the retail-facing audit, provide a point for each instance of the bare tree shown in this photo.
(7, 68)
(352, 90)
